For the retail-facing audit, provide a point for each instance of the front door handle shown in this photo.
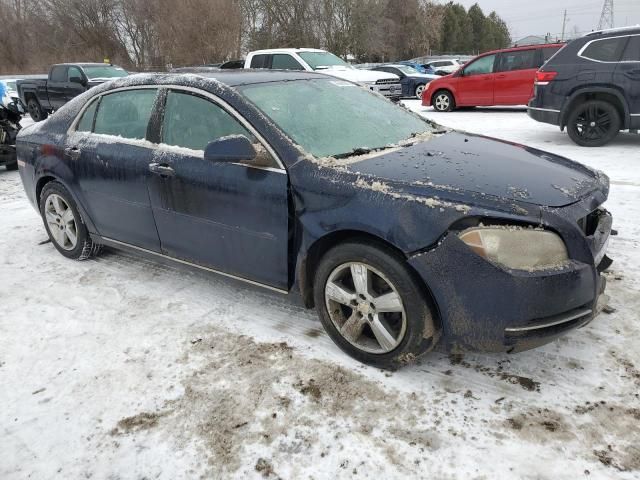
(73, 152)
(162, 169)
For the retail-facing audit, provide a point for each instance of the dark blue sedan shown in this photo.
(401, 234)
(413, 82)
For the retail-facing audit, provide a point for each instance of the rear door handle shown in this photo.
(163, 170)
(73, 152)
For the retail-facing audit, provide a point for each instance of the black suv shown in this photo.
(592, 87)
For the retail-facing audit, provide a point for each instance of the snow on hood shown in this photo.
(465, 162)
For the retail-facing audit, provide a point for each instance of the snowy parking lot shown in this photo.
(122, 368)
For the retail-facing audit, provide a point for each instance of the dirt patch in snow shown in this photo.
(250, 396)
(597, 425)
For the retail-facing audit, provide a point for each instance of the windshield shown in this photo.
(106, 71)
(334, 118)
(318, 60)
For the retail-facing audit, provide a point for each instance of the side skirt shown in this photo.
(109, 242)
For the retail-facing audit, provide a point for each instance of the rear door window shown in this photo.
(517, 60)
(59, 74)
(632, 52)
(283, 61)
(125, 114)
(481, 66)
(605, 50)
(259, 61)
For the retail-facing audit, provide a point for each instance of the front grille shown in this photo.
(386, 81)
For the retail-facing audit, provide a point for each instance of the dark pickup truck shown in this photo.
(65, 81)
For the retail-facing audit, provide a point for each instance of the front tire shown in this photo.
(372, 307)
(593, 123)
(64, 224)
(36, 112)
(443, 101)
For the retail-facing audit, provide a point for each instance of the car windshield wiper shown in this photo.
(355, 152)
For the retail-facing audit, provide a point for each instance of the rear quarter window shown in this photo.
(605, 50)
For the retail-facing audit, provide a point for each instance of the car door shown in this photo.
(628, 77)
(109, 157)
(231, 217)
(515, 74)
(75, 83)
(475, 84)
(56, 86)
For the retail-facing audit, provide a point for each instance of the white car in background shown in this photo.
(445, 66)
(321, 61)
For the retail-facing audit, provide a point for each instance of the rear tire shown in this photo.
(372, 307)
(593, 123)
(420, 90)
(64, 224)
(12, 166)
(36, 112)
(443, 101)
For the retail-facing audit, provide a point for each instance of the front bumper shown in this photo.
(484, 307)
(391, 90)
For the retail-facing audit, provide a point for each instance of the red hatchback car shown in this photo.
(501, 77)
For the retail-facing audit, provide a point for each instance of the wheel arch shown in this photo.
(607, 94)
(308, 264)
(447, 89)
(48, 177)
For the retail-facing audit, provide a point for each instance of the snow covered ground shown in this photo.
(122, 368)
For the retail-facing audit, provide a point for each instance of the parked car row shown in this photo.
(591, 86)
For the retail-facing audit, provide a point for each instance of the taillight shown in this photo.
(544, 78)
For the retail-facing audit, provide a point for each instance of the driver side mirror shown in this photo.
(234, 148)
(77, 80)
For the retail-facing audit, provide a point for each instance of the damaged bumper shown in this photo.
(485, 307)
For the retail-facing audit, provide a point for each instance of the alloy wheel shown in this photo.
(365, 308)
(593, 123)
(419, 91)
(442, 102)
(61, 222)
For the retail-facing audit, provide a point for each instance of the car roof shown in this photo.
(615, 31)
(233, 78)
(85, 64)
(523, 47)
(287, 50)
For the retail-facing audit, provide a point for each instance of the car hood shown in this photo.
(356, 75)
(457, 162)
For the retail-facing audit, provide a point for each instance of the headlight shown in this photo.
(517, 247)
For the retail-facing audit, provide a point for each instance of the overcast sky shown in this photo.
(538, 17)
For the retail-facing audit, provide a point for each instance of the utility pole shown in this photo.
(564, 24)
(606, 18)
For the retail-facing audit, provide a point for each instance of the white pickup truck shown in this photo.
(321, 61)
